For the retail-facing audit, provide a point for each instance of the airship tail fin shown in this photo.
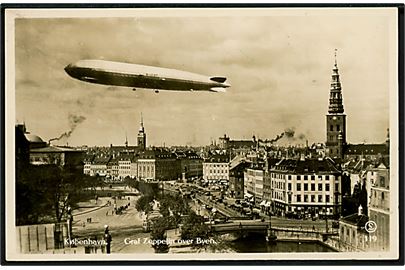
(218, 79)
(218, 89)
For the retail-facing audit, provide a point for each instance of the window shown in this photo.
(298, 198)
(337, 127)
(327, 198)
(326, 177)
(337, 187)
(312, 177)
(298, 177)
(298, 187)
(305, 177)
(382, 196)
(331, 127)
(289, 186)
(305, 198)
(289, 197)
(319, 198)
(320, 187)
(313, 187)
(382, 181)
(305, 187)
(312, 198)
(326, 187)
(289, 177)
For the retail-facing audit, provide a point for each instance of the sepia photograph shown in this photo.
(202, 134)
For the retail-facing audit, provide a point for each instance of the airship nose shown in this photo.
(226, 85)
(69, 69)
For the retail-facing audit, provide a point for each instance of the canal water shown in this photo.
(260, 245)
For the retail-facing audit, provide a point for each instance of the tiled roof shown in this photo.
(306, 166)
(355, 219)
(218, 159)
(366, 149)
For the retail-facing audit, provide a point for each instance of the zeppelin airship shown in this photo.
(140, 76)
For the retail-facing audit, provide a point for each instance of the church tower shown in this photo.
(141, 136)
(335, 119)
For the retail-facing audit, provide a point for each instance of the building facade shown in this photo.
(306, 187)
(253, 183)
(352, 234)
(236, 179)
(157, 164)
(379, 207)
(216, 167)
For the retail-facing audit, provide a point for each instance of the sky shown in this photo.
(279, 66)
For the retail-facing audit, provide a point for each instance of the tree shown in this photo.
(144, 204)
(174, 206)
(44, 192)
(193, 228)
(158, 235)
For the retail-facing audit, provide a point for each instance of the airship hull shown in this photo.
(139, 76)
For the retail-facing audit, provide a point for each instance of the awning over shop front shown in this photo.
(263, 203)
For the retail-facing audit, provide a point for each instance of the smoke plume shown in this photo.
(74, 121)
(289, 133)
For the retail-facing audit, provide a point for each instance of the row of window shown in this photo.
(312, 187)
(304, 187)
(306, 198)
(216, 165)
(219, 171)
(300, 177)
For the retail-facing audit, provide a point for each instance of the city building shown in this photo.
(267, 190)
(379, 207)
(253, 182)
(190, 164)
(352, 234)
(226, 143)
(366, 151)
(236, 178)
(216, 167)
(113, 169)
(61, 156)
(98, 166)
(157, 164)
(88, 160)
(306, 187)
(124, 166)
(335, 119)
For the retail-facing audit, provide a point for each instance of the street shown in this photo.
(126, 225)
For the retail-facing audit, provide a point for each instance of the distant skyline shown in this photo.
(279, 67)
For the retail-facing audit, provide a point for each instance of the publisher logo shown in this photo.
(370, 226)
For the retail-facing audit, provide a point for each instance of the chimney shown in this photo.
(360, 210)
